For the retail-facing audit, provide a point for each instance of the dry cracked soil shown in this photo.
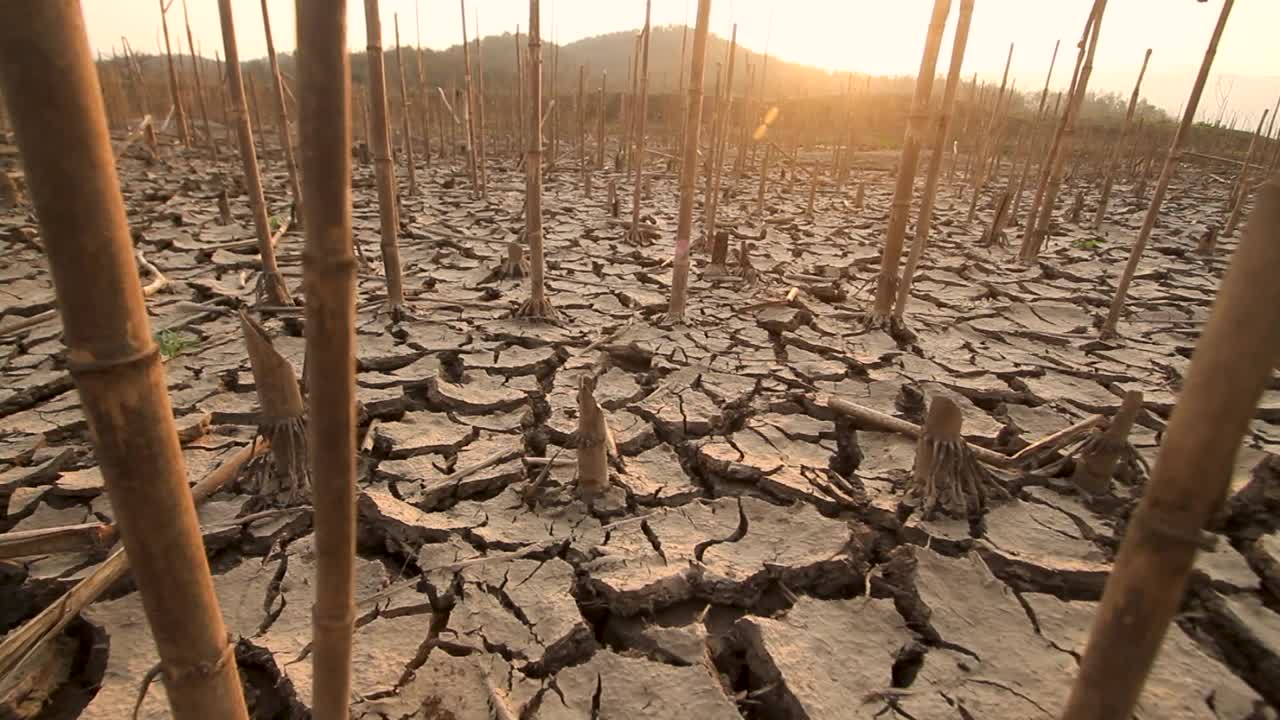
(752, 556)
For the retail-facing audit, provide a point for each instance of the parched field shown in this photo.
(755, 554)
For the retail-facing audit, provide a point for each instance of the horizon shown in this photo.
(1245, 80)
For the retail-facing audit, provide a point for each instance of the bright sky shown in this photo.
(871, 36)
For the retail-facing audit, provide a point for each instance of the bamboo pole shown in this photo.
(384, 169)
(1166, 174)
(175, 90)
(226, 102)
(689, 166)
(406, 110)
(538, 306)
(471, 108)
(934, 171)
(482, 150)
(1108, 174)
(113, 358)
(1229, 369)
(602, 138)
(423, 94)
(1241, 193)
(917, 123)
(257, 116)
(271, 289)
(329, 272)
(582, 125)
(990, 139)
(195, 70)
(282, 116)
(719, 252)
(1038, 226)
(642, 124)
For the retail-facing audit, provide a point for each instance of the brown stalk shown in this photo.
(1241, 192)
(1039, 224)
(271, 287)
(470, 104)
(423, 94)
(195, 70)
(602, 138)
(1103, 450)
(946, 475)
(917, 123)
(281, 479)
(688, 167)
(712, 206)
(1108, 174)
(581, 109)
(989, 143)
(384, 169)
(934, 171)
(175, 90)
(1233, 359)
(481, 149)
(642, 123)
(111, 354)
(406, 110)
(329, 272)
(1166, 174)
(282, 116)
(538, 306)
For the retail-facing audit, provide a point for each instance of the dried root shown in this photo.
(538, 309)
(946, 476)
(280, 478)
(515, 266)
(271, 290)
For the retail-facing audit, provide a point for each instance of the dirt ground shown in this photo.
(753, 556)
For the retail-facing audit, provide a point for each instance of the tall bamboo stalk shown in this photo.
(689, 166)
(538, 306)
(990, 142)
(582, 124)
(917, 124)
(602, 139)
(406, 109)
(1166, 174)
(642, 108)
(934, 172)
(423, 94)
(1051, 182)
(175, 91)
(112, 356)
(282, 115)
(195, 70)
(329, 272)
(1241, 193)
(471, 107)
(1108, 174)
(271, 286)
(711, 209)
(481, 148)
(1233, 359)
(384, 169)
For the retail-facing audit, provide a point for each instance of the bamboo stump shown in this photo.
(593, 442)
(1209, 242)
(280, 478)
(1105, 448)
(516, 265)
(946, 476)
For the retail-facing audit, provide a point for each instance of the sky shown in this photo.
(869, 36)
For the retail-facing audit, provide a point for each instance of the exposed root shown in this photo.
(281, 477)
(271, 290)
(515, 266)
(946, 475)
(537, 309)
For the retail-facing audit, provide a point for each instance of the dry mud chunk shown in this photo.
(655, 476)
(506, 523)
(480, 393)
(647, 565)
(626, 687)
(522, 609)
(1085, 394)
(1000, 667)
(404, 526)
(1040, 547)
(242, 595)
(419, 433)
(1185, 682)
(794, 545)
(447, 687)
(825, 659)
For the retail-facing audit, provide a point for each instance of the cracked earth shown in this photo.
(752, 556)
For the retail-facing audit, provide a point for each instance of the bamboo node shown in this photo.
(78, 367)
(1173, 527)
(176, 675)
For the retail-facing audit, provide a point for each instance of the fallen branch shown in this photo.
(23, 643)
(879, 420)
